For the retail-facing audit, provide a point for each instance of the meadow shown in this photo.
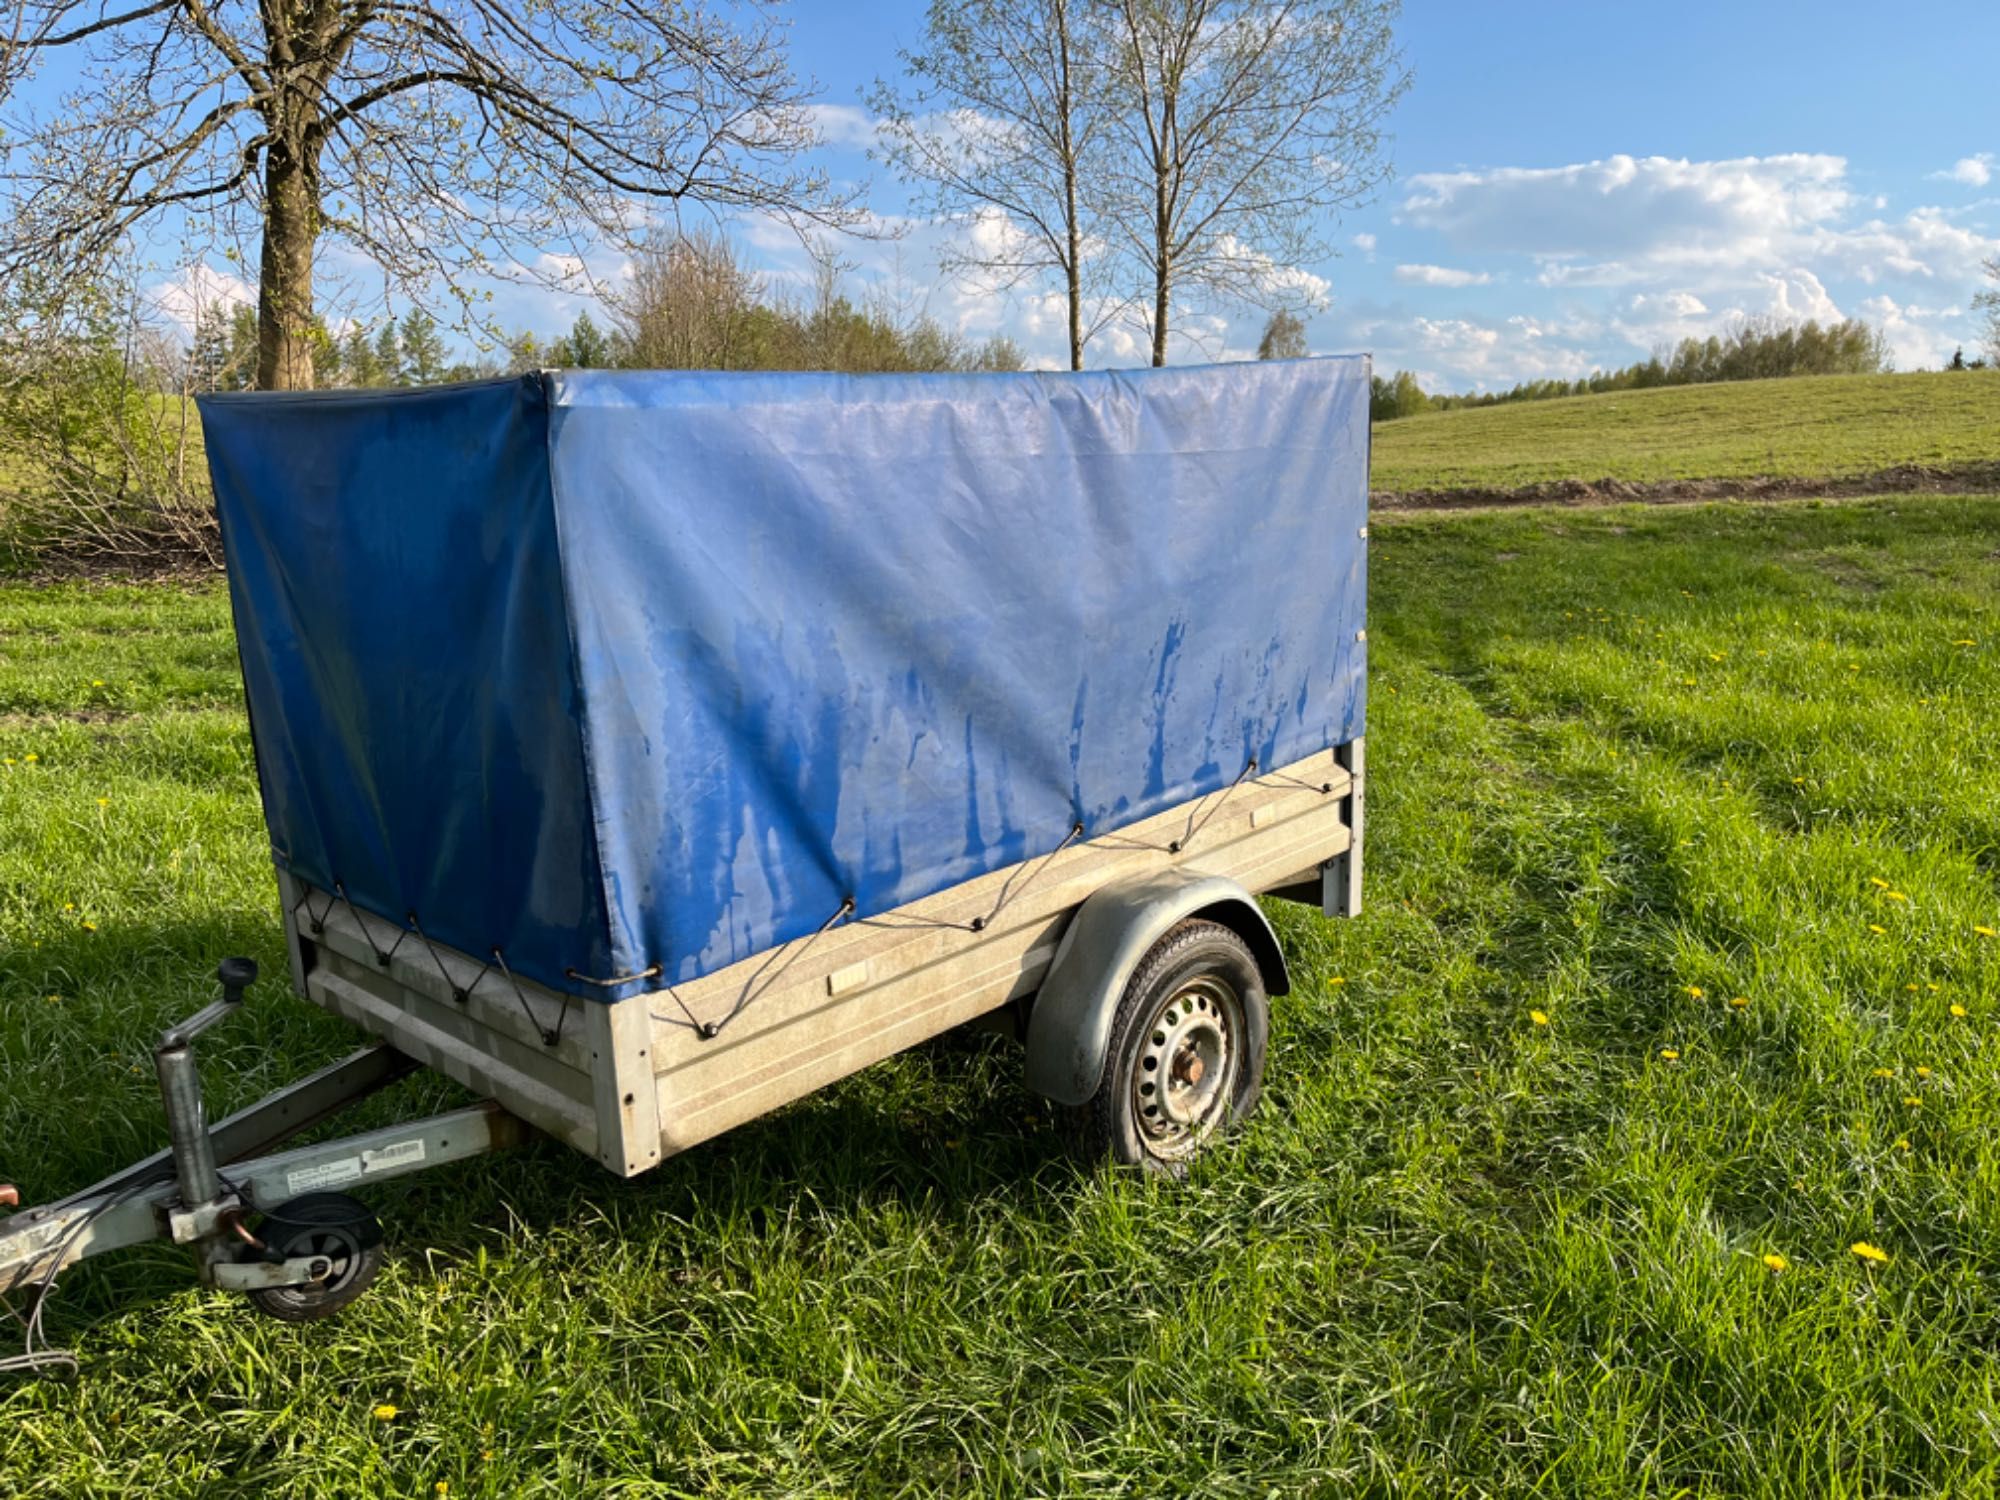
(1817, 428)
(1637, 1140)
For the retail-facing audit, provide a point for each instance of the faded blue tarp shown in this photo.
(615, 669)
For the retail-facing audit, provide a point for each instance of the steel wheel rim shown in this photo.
(1185, 1076)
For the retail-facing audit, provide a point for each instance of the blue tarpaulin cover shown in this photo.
(610, 669)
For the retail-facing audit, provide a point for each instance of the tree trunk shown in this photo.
(1163, 263)
(284, 282)
(1075, 311)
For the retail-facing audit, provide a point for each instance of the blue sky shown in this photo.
(1578, 182)
(1575, 183)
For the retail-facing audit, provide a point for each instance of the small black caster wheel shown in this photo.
(1186, 1055)
(327, 1226)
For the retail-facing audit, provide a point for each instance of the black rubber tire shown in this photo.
(329, 1224)
(1108, 1125)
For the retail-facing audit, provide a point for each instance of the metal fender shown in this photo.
(1069, 1028)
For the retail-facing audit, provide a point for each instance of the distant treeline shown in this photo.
(689, 304)
(1760, 349)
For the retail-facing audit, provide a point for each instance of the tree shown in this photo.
(1002, 124)
(437, 137)
(687, 304)
(584, 347)
(1284, 336)
(423, 350)
(1988, 302)
(358, 364)
(389, 354)
(1240, 126)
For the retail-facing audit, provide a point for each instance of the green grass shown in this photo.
(1618, 757)
(1810, 428)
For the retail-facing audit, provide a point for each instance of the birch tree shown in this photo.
(1243, 127)
(999, 125)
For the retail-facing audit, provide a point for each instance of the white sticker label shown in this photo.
(328, 1174)
(347, 1168)
(400, 1154)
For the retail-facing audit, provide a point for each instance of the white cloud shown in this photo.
(1365, 243)
(1441, 276)
(1972, 171)
(1921, 337)
(201, 288)
(844, 124)
(1612, 212)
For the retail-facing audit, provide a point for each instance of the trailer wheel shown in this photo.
(1186, 1054)
(335, 1227)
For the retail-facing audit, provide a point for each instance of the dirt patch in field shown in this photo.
(1907, 479)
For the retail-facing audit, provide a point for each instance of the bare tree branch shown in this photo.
(447, 140)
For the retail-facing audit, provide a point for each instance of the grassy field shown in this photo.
(1819, 428)
(1678, 961)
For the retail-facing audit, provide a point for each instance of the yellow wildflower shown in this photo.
(1739, 1002)
(1958, 1010)
(1895, 896)
(1870, 1252)
(1775, 1262)
(1669, 1054)
(1875, 929)
(1923, 1072)
(31, 757)
(1986, 932)
(1912, 1100)
(1968, 641)
(385, 1413)
(103, 801)
(442, 1487)
(90, 927)
(1878, 882)
(1902, 1143)
(1885, 1072)
(1336, 980)
(1540, 1018)
(1694, 992)
(97, 682)
(1911, 988)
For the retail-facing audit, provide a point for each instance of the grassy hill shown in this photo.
(1831, 427)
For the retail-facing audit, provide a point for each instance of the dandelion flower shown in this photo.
(1870, 1252)
(1986, 932)
(1895, 896)
(90, 927)
(31, 757)
(1968, 641)
(103, 801)
(1902, 1143)
(1958, 1011)
(1878, 882)
(1669, 1054)
(1539, 1017)
(1932, 988)
(1912, 1100)
(1336, 980)
(1885, 1072)
(1694, 992)
(97, 682)
(1911, 988)
(1739, 1002)
(1923, 1072)
(1775, 1262)
(385, 1413)
(1798, 781)
(1872, 927)
(442, 1487)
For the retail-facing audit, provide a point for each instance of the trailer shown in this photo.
(647, 750)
